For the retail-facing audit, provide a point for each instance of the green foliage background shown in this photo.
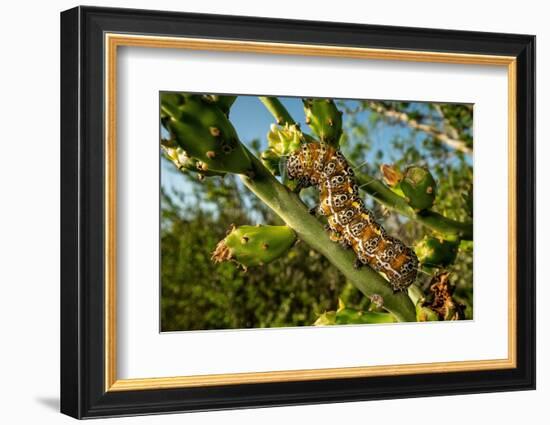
(295, 289)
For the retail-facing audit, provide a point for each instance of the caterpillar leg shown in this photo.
(357, 264)
(335, 236)
(344, 244)
(301, 183)
(314, 210)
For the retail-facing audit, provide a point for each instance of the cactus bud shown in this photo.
(254, 245)
(204, 132)
(324, 119)
(419, 187)
(284, 141)
(434, 252)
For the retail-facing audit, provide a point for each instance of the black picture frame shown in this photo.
(83, 392)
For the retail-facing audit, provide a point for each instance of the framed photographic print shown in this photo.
(261, 212)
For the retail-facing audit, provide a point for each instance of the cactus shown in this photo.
(202, 130)
(277, 109)
(282, 141)
(271, 161)
(435, 252)
(222, 102)
(183, 162)
(350, 316)
(419, 187)
(324, 119)
(425, 314)
(254, 245)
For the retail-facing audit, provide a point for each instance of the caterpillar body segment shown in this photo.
(349, 222)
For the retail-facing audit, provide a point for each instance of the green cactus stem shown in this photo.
(254, 245)
(349, 316)
(277, 109)
(222, 102)
(202, 130)
(271, 161)
(425, 314)
(435, 252)
(419, 187)
(324, 119)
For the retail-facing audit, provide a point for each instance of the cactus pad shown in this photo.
(254, 245)
(434, 252)
(202, 130)
(419, 186)
(324, 119)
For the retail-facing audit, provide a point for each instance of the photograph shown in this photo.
(286, 211)
(289, 209)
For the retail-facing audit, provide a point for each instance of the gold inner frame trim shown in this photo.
(113, 41)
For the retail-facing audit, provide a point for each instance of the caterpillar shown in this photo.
(349, 222)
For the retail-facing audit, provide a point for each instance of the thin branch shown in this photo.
(277, 109)
(404, 118)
